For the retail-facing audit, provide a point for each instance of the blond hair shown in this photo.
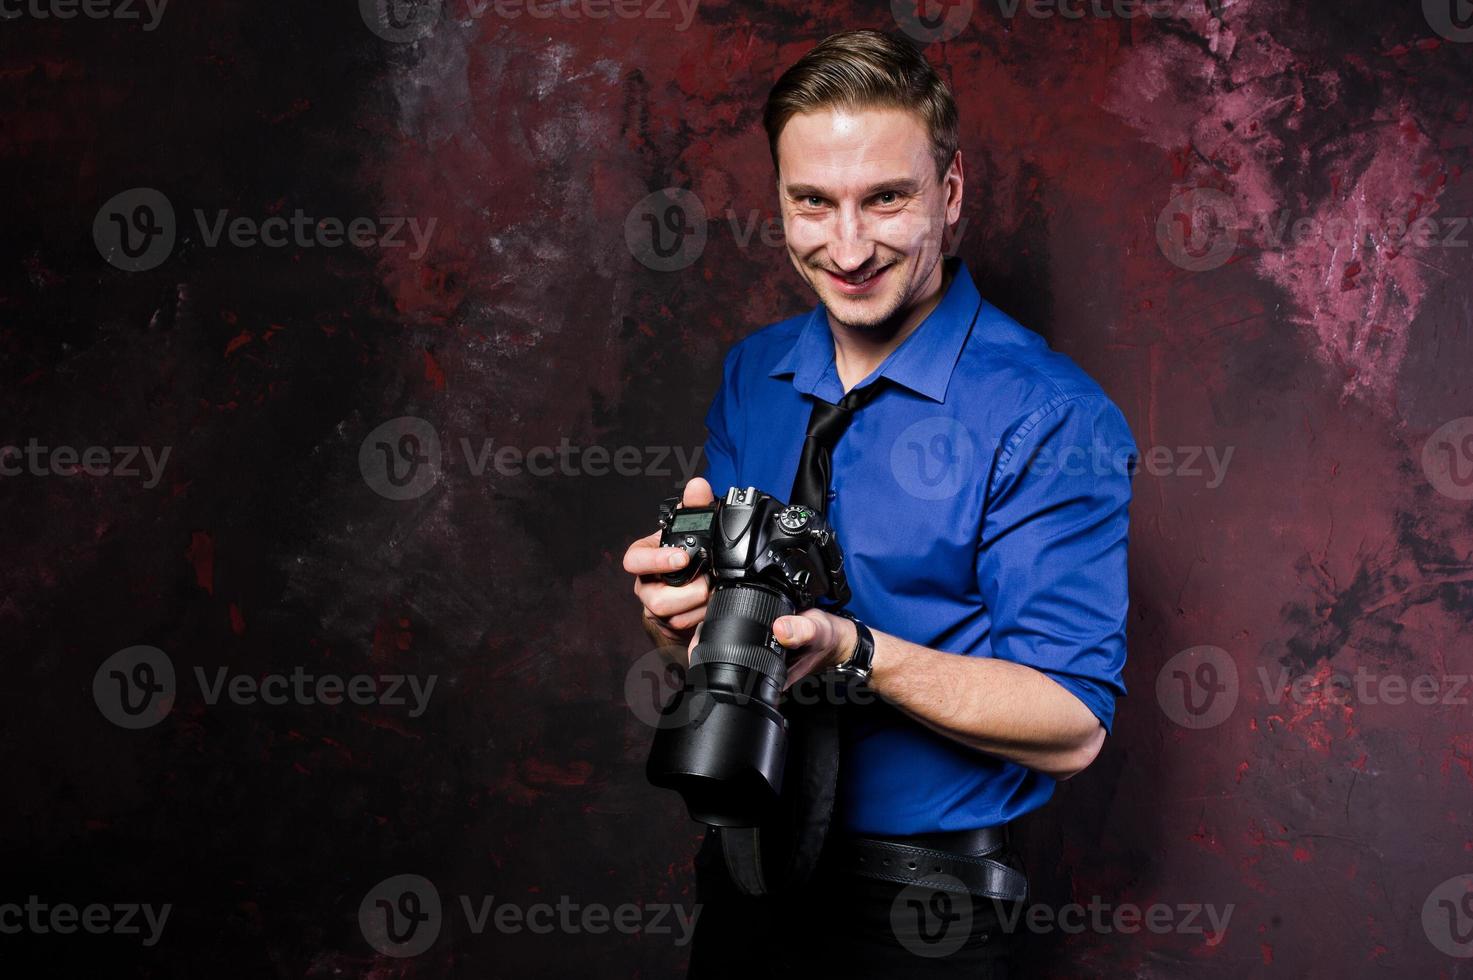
(866, 69)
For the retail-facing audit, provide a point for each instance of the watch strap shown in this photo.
(860, 664)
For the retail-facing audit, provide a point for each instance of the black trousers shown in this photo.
(842, 924)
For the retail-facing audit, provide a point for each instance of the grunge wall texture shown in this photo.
(1108, 160)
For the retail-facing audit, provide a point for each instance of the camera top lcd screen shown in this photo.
(698, 521)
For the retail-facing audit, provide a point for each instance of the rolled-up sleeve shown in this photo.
(1051, 559)
(719, 457)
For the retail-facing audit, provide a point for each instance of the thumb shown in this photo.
(698, 493)
(793, 631)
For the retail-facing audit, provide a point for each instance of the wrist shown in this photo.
(659, 630)
(856, 649)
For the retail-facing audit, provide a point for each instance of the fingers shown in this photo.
(697, 493)
(669, 601)
(801, 630)
(646, 557)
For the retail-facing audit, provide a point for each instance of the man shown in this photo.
(980, 497)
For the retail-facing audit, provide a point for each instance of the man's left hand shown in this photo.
(815, 640)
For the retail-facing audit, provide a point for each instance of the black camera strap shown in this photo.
(783, 851)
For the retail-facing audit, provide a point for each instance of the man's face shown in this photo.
(863, 212)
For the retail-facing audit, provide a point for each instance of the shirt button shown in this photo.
(833, 494)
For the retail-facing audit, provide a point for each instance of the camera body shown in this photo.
(722, 740)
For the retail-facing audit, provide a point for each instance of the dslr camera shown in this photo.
(722, 740)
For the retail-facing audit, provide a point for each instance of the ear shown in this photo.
(955, 181)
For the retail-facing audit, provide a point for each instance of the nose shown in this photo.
(851, 247)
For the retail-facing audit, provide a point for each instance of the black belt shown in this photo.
(950, 861)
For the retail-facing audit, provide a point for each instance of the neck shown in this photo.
(858, 351)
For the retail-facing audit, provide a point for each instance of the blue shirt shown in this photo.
(982, 504)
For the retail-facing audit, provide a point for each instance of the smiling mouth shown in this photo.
(850, 283)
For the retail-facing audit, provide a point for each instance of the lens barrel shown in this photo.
(722, 741)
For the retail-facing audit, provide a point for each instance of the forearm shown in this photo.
(995, 706)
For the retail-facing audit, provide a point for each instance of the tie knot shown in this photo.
(828, 422)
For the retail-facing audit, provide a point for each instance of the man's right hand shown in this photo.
(671, 612)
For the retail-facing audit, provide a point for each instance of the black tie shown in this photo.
(825, 426)
(784, 850)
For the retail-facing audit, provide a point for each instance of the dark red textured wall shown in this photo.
(1248, 220)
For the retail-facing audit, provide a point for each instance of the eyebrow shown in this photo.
(903, 185)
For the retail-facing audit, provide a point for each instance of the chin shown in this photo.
(867, 313)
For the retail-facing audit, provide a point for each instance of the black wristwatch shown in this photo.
(859, 666)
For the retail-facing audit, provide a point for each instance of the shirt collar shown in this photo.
(923, 362)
